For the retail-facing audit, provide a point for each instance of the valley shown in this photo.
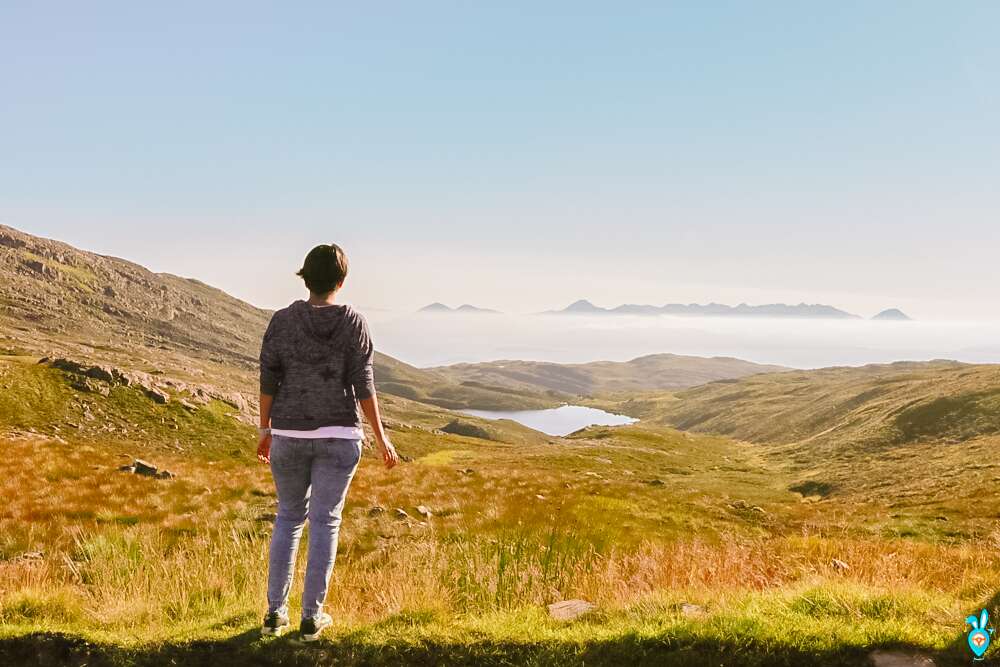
(752, 515)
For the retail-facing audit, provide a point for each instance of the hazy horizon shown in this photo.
(840, 154)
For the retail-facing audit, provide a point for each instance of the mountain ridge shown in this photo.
(438, 307)
(713, 309)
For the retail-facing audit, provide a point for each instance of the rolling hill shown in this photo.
(874, 406)
(651, 372)
(919, 440)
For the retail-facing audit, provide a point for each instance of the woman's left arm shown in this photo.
(369, 406)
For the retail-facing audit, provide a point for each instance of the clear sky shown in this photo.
(519, 156)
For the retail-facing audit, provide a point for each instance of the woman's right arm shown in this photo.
(264, 441)
(270, 380)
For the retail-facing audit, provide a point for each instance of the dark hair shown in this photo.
(324, 269)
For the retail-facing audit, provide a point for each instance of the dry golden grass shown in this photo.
(133, 556)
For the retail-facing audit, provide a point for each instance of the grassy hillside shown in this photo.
(692, 547)
(876, 406)
(916, 440)
(438, 387)
(652, 372)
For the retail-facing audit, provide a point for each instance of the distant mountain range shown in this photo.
(802, 310)
(464, 308)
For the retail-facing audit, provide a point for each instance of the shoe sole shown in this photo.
(315, 636)
(273, 632)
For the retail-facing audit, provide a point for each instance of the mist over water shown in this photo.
(423, 339)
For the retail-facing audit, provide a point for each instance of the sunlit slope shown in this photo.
(651, 372)
(914, 445)
(868, 407)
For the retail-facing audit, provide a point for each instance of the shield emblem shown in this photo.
(979, 641)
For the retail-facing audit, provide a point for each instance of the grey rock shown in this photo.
(424, 511)
(102, 373)
(400, 513)
(141, 467)
(692, 610)
(567, 610)
(377, 510)
(156, 395)
(882, 658)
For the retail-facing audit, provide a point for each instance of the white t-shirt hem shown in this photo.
(340, 432)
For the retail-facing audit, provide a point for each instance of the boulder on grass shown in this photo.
(140, 467)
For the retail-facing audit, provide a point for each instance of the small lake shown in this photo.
(556, 421)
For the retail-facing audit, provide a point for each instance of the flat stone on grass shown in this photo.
(882, 658)
(567, 610)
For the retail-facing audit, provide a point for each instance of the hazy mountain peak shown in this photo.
(582, 306)
(438, 307)
(468, 308)
(893, 314)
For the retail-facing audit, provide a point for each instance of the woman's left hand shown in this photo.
(264, 448)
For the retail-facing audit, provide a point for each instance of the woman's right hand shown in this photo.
(389, 455)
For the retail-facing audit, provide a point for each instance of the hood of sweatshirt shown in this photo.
(319, 328)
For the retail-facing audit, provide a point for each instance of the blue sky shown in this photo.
(518, 156)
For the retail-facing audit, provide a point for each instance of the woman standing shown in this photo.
(315, 369)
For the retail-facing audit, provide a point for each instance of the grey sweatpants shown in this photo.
(312, 477)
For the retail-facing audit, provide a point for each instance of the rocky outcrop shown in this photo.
(468, 429)
(100, 378)
(110, 375)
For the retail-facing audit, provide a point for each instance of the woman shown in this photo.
(315, 368)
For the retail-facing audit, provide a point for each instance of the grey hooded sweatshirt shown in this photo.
(317, 363)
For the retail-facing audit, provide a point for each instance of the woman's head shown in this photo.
(324, 269)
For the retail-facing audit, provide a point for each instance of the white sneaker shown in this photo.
(311, 628)
(274, 625)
